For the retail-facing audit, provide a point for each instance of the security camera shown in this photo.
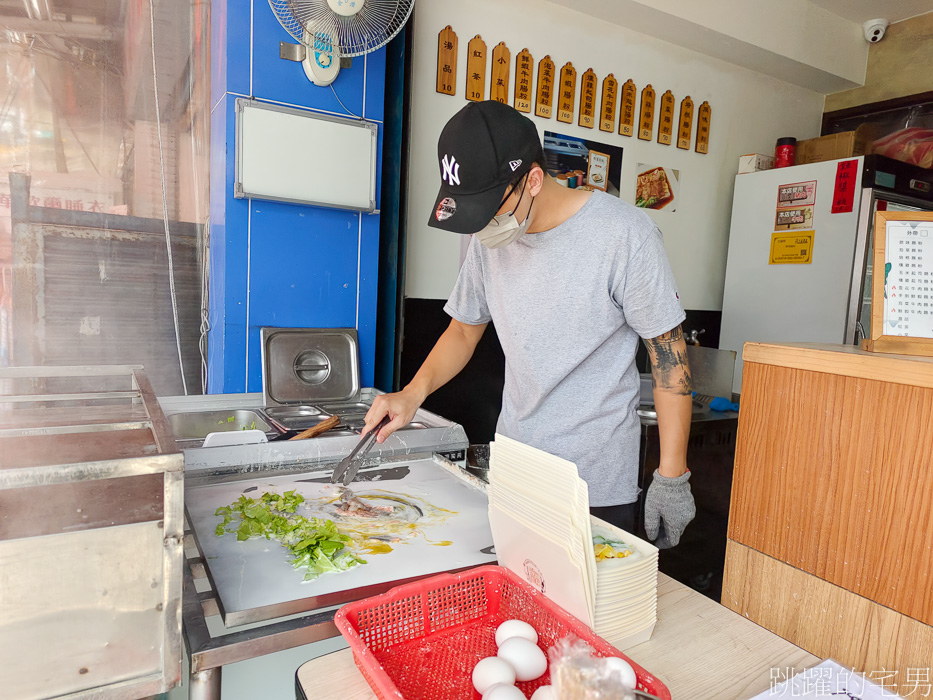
(874, 30)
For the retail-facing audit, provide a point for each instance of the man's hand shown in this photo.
(400, 407)
(671, 502)
(450, 354)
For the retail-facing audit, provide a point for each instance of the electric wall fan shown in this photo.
(331, 30)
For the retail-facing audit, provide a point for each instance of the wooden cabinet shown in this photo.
(831, 521)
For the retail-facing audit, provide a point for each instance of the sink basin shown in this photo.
(196, 425)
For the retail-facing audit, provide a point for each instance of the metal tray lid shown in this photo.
(310, 365)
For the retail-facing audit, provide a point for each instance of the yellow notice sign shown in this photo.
(795, 249)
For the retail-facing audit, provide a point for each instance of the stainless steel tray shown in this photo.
(346, 408)
(295, 419)
(196, 425)
(310, 365)
(292, 411)
(254, 580)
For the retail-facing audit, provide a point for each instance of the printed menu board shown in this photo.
(908, 280)
(902, 293)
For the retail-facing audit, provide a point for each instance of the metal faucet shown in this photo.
(693, 337)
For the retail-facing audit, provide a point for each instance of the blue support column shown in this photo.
(271, 263)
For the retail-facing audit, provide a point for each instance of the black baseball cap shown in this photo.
(482, 149)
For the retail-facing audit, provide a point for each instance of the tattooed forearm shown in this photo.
(669, 368)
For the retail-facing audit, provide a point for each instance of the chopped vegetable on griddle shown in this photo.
(315, 543)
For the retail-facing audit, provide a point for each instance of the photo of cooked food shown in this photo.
(583, 164)
(656, 187)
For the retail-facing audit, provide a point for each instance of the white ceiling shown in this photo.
(864, 10)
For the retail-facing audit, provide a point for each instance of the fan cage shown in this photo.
(314, 24)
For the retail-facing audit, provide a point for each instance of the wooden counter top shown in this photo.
(699, 650)
(844, 360)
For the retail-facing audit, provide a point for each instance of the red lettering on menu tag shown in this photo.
(844, 192)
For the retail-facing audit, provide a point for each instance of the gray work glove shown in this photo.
(669, 499)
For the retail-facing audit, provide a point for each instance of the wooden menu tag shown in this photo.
(666, 124)
(646, 118)
(568, 87)
(587, 100)
(627, 122)
(476, 69)
(703, 124)
(544, 98)
(524, 64)
(607, 109)
(686, 124)
(447, 61)
(499, 80)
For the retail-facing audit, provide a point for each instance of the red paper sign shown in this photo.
(844, 192)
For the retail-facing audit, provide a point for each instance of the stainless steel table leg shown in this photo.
(204, 685)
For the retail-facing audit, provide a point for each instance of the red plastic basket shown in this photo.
(421, 641)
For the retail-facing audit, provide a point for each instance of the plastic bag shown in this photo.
(913, 145)
(577, 673)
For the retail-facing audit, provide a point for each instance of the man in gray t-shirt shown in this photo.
(572, 280)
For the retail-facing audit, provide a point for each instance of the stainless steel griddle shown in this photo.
(255, 581)
(244, 599)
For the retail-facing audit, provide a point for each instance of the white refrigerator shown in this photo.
(796, 271)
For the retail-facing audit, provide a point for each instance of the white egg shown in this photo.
(515, 628)
(624, 669)
(525, 657)
(545, 692)
(502, 691)
(491, 671)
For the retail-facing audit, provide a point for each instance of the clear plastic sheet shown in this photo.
(105, 107)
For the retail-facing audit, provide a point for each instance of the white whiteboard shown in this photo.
(293, 155)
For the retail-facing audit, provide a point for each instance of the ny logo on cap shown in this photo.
(451, 171)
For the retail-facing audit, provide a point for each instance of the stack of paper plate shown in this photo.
(542, 529)
(539, 516)
(626, 589)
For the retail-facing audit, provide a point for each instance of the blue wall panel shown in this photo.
(369, 291)
(391, 250)
(229, 231)
(375, 84)
(218, 51)
(217, 231)
(303, 271)
(277, 264)
(238, 42)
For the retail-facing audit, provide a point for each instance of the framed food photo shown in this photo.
(657, 187)
(597, 172)
(902, 284)
(583, 164)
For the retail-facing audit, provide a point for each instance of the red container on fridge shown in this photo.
(785, 152)
(421, 640)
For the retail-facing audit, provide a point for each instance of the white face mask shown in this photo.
(505, 229)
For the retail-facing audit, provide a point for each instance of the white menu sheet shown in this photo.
(908, 279)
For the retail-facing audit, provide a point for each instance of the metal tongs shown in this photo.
(350, 465)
